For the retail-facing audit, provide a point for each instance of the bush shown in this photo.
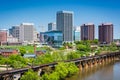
(72, 55)
(61, 71)
(30, 75)
(72, 68)
(51, 76)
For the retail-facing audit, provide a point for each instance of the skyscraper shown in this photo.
(51, 26)
(27, 32)
(87, 31)
(106, 33)
(65, 24)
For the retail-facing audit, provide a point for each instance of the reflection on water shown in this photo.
(104, 71)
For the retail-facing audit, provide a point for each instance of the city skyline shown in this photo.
(43, 12)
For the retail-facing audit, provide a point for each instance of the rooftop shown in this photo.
(88, 24)
(53, 31)
(106, 24)
(3, 30)
(27, 24)
(65, 11)
(30, 55)
(6, 50)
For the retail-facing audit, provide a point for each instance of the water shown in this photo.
(104, 71)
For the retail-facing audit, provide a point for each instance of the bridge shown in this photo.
(83, 62)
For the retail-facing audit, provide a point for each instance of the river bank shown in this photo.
(105, 71)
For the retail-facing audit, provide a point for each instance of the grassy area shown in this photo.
(29, 49)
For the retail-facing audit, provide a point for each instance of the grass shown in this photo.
(29, 48)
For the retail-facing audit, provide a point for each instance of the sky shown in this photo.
(42, 12)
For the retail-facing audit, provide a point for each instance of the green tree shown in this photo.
(72, 68)
(17, 61)
(72, 55)
(22, 51)
(95, 41)
(58, 56)
(62, 48)
(61, 70)
(67, 45)
(51, 76)
(113, 47)
(30, 75)
(46, 58)
(82, 47)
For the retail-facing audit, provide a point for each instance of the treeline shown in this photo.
(17, 61)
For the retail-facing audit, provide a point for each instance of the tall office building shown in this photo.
(87, 31)
(51, 26)
(27, 32)
(65, 24)
(3, 36)
(14, 31)
(106, 33)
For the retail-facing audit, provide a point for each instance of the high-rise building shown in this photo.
(87, 31)
(27, 32)
(14, 31)
(3, 36)
(51, 26)
(65, 24)
(106, 33)
(77, 34)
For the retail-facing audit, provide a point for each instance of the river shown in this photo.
(106, 71)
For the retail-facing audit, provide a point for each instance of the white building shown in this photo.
(27, 32)
(12, 39)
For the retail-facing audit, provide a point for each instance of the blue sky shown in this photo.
(41, 12)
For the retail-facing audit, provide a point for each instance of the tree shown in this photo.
(72, 68)
(82, 47)
(17, 61)
(58, 56)
(54, 76)
(95, 41)
(72, 55)
(51, 76)
(113, 47)
(30, 75)
(61, 70)
(46, 58)
(22, 51)
(67, 45)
